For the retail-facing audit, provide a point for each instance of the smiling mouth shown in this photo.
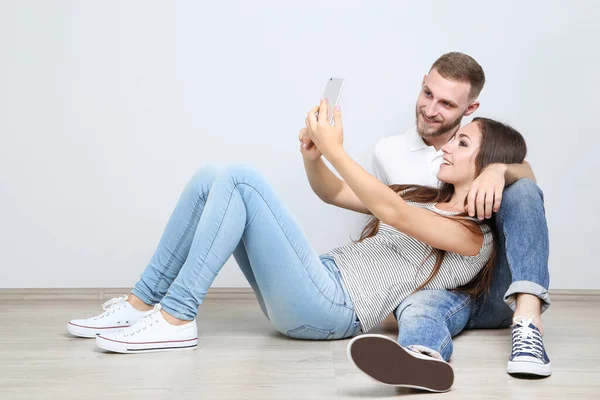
(429, 121)
(446, 162)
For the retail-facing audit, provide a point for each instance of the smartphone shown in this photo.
(333, 93)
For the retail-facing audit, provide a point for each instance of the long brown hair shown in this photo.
(499, 144)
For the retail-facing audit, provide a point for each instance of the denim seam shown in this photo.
(499, 216)
(448, 316)
(289, 241)
(195, 280)
(457, 309)
(508, 260)
(269, 207)
(178, 246)
(510, 266)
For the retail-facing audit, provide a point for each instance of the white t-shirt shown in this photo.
(406, 159)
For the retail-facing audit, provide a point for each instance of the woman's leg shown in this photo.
(302, 297)
(241, 257)
(164, 266)
(175, 243)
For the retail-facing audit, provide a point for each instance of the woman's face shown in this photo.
(460, 153)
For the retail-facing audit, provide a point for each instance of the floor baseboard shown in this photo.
(102, 294)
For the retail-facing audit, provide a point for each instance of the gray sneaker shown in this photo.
(384, 360)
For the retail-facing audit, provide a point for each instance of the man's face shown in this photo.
(441, 105)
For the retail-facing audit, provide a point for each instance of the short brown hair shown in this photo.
(462, 68)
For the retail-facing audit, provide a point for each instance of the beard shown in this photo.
(427, 131)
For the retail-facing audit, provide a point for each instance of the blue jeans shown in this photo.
(427, 320)
(236, 212)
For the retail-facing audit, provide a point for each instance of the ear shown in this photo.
(471, 109)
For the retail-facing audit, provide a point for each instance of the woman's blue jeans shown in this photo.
(236, 212)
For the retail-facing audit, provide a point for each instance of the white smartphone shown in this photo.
(333, 93)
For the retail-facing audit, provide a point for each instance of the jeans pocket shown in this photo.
(308, 332)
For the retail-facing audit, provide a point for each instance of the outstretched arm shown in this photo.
(325, 184)
(426, 226)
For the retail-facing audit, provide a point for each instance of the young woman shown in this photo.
(419, 238)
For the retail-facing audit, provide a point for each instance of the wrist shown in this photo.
(308, 160)
(335, 155)
(500, 168)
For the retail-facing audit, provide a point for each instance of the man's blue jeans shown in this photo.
(427, 320)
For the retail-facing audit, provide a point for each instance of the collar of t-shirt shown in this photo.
(416, 143)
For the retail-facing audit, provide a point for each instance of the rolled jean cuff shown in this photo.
(527, 287)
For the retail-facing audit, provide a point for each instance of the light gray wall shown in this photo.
(108, 108)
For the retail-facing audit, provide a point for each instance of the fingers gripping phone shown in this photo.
(333, 93)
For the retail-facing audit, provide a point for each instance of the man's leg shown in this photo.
(521, 278)
(427, 320)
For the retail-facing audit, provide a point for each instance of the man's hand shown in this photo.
(307, 147)
(485, 194)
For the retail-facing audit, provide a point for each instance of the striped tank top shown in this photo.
(383, 270)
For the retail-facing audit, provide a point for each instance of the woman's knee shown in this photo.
(240, 171)
(203, 179)
(204, 176)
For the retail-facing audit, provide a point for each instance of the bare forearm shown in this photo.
(323, 182)
(381, 201)
(514, 172)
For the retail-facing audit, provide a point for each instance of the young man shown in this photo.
(427, 320)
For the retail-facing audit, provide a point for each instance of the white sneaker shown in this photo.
(151, 333)
(118, 314)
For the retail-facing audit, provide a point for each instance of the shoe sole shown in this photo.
(116, 346)
(384, 360)
(90, 332)
(528, 368)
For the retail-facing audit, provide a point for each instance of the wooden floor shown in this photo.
(240, 356)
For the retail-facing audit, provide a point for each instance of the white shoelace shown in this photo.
(144, 323)
(525, 339)
(111, 306)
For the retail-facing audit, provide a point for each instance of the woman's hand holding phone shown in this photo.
(328, 139)
(322, 118)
